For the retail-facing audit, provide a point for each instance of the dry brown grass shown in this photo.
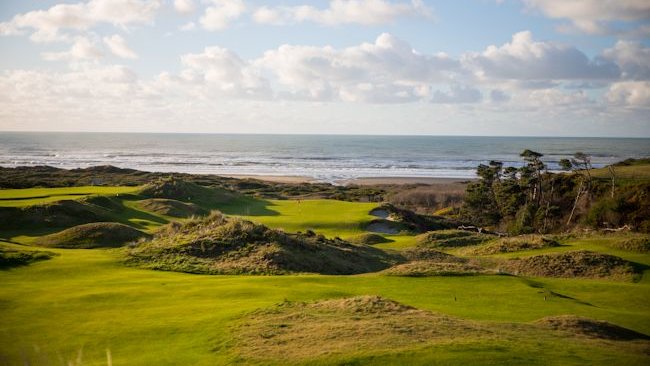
(429, 198)
(513, 244)
(591, 328)
(299, 331)
(573, 264)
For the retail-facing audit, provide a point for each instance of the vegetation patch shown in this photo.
(428, 254)
(452, 238)
(308, 331)
(411, 221)
(368, 239)
(14, 257)
(93, 235)
(57, 214)
(639, 244)
(173, 208)
(220, 245)
(590, 328)
(514, 244)
(424, 262)
(425, 268)
(177, 189)
(573, 264)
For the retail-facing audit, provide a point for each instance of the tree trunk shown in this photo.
(575, 204)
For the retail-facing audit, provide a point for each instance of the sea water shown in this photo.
(323, 157)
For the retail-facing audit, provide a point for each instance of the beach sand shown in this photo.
(274, 178)
(403, 180)
(363, 181)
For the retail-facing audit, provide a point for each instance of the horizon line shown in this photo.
(319, 134)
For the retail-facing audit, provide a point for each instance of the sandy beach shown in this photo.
(364, 181)
(273, 178)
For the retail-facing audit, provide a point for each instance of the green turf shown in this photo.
(35, 196)
(81, 303)
(86, 300)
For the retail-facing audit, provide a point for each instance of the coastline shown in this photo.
(361, 181)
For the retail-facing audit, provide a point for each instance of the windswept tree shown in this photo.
(533, 169)
(580, 164)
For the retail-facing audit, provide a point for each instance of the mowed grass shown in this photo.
(87, 301)
(81, 303)
(36, 196)
(632, 172)
(328, 217)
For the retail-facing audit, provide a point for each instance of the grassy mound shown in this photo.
(428, 262)
(640, 244)
(299, 332)
(573, 264)
(422, 253)
(432, 268)
(94, 235)
(514, 244)
(368, 239)
(217, 245)
(173, 208)
(57, 214)
(451, 238)
(14, 257)
(590, 328)
(180, 190)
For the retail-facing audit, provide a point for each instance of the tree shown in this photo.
(535, 166)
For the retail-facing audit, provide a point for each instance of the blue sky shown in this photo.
(466, 67)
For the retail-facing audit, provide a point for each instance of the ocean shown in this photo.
(328, 158)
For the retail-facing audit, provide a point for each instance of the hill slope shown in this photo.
(217, 245)
(93, 235)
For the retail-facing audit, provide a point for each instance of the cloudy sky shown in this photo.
(463, 67)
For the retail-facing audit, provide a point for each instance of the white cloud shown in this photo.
(365, 12)
(184, 6)
(187, 27)
(389, 67)
(82, 49)
(634, 94)
(595, 16)
(457, 94)
(119, 48)
(46, 25)
(526, 59)
(223, 72)
(221, 13)
(272, 16)
(632, 57)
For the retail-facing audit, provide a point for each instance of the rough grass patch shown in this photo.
(451, 238)
(639, 244)
(308, 331)
(220, 245)
(573, 264)
(170, 207)
(590, 328)
(513, 244)
(93, 235)
(14, 257)
(368, 239)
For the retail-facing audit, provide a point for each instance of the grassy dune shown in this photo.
(36, 196)
(85, 304)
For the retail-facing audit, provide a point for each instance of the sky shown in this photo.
(396, 67)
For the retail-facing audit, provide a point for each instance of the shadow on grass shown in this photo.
(541, 286)
(41, 197)
(247, 206)
(129, 213)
